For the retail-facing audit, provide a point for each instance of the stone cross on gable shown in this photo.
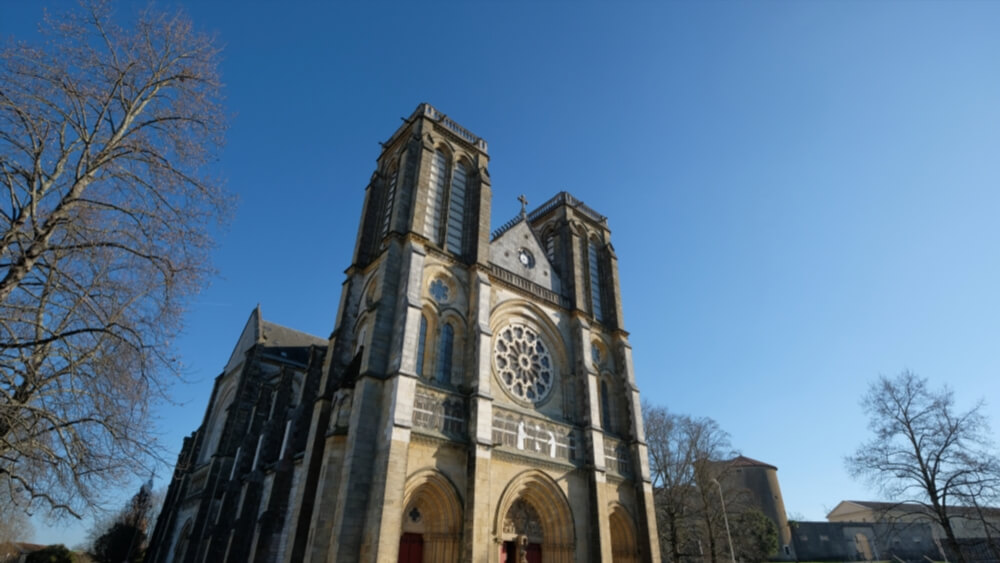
(524, 205)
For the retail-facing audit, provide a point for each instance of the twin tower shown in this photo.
(475, 402)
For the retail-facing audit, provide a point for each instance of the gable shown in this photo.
(849, 511)
(247, 339)
(505, 251)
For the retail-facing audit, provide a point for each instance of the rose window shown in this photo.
(523, 363)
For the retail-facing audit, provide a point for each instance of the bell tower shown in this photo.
(431, 181)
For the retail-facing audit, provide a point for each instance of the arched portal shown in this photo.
(623, 544)
(533, 519)
(432, 520)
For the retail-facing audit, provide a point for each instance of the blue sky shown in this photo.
(802, 195)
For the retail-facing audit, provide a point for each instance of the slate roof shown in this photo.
(276, 335)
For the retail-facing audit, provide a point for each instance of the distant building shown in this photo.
(761, 481)
(864, 541)
(475, 402)
(976, 528)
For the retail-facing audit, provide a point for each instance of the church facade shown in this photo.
(476, 400)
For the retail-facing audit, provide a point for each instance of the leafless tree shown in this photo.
(926, 454)
(686, 456)
(15, 526)
(105, 219)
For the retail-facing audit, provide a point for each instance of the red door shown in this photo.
(534, 553)
(411, 548)
(508, 552)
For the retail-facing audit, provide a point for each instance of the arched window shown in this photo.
(435, 196)
(360, 342)
(390, 196)
(183, 540)
(445, 345)
(421, 345)
(456, 209)
(595, 282)
(605, 407)
(550, 246)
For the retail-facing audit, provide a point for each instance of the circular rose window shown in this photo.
(523, 363)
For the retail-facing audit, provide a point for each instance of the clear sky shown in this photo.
(802, 195)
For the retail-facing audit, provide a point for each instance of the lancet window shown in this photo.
(445, 346)
(456, 209)
(421, 345)
(595, 282)
(390, 197)
(435, 196)
(444, 223)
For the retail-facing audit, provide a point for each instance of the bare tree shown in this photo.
(685, 462)
(105, 131)
(925, 454)
(15, 526)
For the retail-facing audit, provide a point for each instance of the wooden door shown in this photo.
(534, 553)
(411, 548)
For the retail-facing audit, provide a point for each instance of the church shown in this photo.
(476, 400)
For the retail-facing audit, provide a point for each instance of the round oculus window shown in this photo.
(526, 258)
(523, 363)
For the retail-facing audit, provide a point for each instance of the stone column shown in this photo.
(600, 541)
(477, 506)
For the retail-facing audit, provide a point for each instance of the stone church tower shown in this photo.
(476, 400)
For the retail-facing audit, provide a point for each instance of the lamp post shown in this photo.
(732, 554)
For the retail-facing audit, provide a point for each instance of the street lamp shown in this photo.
(732, 554)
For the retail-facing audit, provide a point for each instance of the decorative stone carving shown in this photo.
(439, 412)
(340, 410)
(523, 520)
(523, 363)
(514, 431)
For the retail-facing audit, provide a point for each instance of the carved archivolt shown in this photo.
(523, 520)
(433, 509)
(623, 536)
(531, 497)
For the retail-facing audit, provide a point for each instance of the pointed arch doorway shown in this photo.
(522, 534)
(431, 520)
(534, 522)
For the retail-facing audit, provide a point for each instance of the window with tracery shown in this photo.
(445, 346)
(444, 223)
(523, 363)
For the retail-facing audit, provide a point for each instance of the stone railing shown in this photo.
(516, 281)
(517, 432)
(568, 199)
(462, 132)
